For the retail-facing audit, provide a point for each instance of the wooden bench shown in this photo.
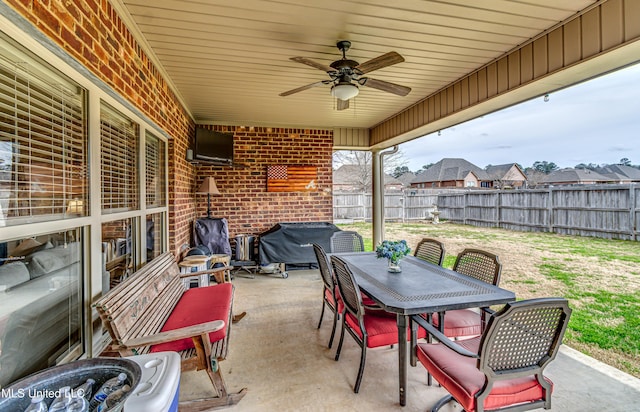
(152, 311)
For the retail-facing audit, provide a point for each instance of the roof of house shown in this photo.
(352, 175)
(497, 172)
(570, 175)
(406, 178)
(347, 175)
(449, 169)
(620, 172)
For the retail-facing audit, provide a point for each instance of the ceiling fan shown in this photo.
(346, 75)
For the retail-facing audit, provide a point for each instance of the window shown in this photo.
(118, 251)
(119, 161)
(41, 285)
(155, 171)
(43, 141)
(155, 238)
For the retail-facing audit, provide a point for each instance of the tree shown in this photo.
(362, 159)
(624, 161)
(590, 166)
(399, 171)
(545, 167)
(425, 167)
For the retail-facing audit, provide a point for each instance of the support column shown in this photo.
(377, 192)
(377, 198)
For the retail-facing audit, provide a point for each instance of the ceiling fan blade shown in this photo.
(312, 63)
(379, 62)
(342, 104)
(386, 86)
(302, 88)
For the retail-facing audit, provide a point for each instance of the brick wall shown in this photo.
(91, 32)
(245, 202)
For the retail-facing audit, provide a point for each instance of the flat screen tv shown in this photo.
(214, 147)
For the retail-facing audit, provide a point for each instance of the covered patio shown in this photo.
(147, 75)
(284, 361)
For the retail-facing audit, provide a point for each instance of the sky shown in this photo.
(593, 122)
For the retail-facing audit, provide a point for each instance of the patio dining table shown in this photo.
(421, 287)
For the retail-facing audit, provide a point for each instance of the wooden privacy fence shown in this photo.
(605, 211)
(410, 205)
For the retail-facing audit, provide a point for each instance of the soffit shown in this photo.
(228, 60)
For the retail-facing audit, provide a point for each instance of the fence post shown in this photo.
(498, 205)
(632, 211)
(550, 208)
(464, 209)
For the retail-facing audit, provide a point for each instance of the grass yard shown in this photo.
(599, 277)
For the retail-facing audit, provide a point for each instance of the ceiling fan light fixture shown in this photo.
(344, 91)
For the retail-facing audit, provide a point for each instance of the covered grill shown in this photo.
(290, 243)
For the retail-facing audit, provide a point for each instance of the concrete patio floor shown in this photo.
(279, 355)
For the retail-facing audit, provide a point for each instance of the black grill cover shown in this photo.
(291, 242)
(212, 233)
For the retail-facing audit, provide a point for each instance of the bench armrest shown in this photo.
(171, 335)
(204, 272)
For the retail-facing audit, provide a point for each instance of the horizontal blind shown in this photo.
(155, 171)
(43, 141)
(119, 160)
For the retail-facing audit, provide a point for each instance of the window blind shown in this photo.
(155, 171)
(43, 141)
(119, 160)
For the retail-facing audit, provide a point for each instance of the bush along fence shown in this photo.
(605, 211)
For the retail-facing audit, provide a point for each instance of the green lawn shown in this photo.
(599, 277)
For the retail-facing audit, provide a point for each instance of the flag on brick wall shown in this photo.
(287, 178)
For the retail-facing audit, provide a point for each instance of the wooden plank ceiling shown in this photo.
(229, 60)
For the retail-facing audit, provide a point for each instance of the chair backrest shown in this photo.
(325, 269)
(348, 287)
(430, 250)
(346, 241)
(522, 338)
(479, 264)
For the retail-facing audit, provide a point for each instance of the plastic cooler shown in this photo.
(159, 385)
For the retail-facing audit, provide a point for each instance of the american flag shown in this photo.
(285, 178)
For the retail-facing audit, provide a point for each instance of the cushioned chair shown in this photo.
(330, 294)
(503, 368)
(430, 250)
(346, 241)
(367, 330)
(483, 266)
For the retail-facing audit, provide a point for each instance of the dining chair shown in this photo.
(503, 368)
(481, 265)
(430, 250)
(369, 331)
(330, 295)
(346, 241)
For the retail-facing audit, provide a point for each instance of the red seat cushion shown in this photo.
(381, 330)
(463, 322)
(198, 305)
(462, 379)
(329, 297)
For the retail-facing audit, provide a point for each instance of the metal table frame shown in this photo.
(421, 287)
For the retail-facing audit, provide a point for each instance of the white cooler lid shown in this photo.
(158, 385)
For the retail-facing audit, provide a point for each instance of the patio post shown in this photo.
(377, 191)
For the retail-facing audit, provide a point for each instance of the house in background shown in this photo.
(406, 179)
(452, 173)
(620, 173)
(357, 178)
(507, 176)
(570, 176)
